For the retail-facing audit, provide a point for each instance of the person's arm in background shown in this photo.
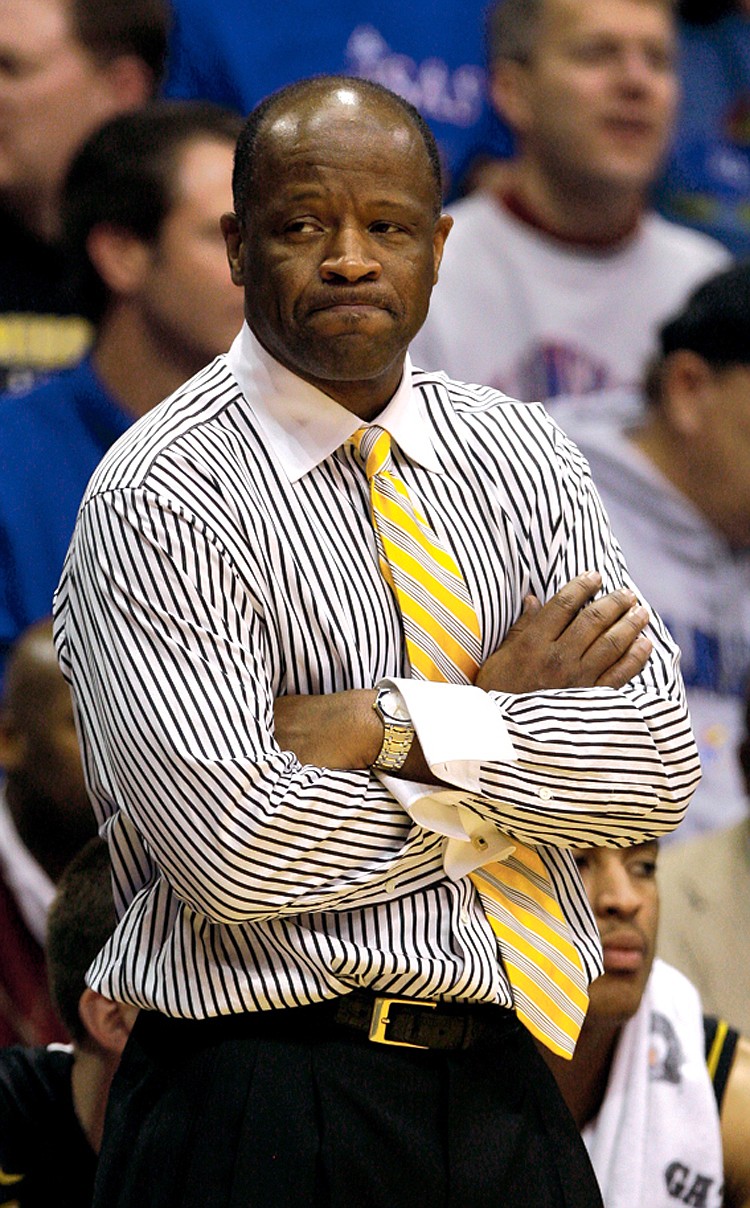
(735, 1129)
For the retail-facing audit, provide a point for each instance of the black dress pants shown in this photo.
(242, 1113)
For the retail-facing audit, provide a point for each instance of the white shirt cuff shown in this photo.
(459, 728)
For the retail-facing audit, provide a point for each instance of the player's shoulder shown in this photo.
(195, 405)
(491, 427)
(30, 1076)
(735, 1128)
(693, 247)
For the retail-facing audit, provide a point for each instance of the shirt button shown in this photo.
(464, 916)
(390, 886)
(480, 843)
(545, 794)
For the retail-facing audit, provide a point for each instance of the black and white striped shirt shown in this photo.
(224, 555)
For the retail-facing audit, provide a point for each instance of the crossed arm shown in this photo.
(572, 641)
(173, 656)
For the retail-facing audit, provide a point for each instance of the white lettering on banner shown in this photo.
(454, 97)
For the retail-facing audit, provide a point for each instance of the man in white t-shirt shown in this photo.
(671, 461)
(556, 275)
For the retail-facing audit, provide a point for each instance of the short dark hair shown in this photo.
(512, 27)
(81, 920)
(714, 323)
(246, 155)
(124, 175)
(109, 28)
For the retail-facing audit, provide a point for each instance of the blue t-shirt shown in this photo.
(706, 183)
(51, 440)
(431, 53)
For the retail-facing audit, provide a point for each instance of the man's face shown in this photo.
(342, 246)
(621, 887)
(596, 102)
(52, 95)
(187, 295)
(723, 443)
(51, 761)
(40, 755)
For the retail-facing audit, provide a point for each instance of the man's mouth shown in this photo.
(635, 128)
(624, 952)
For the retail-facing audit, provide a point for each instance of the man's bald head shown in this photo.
(299, 102)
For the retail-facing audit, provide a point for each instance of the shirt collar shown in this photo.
(303, 425)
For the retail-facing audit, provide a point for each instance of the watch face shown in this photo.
(391, 704)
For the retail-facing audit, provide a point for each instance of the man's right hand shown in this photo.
(569, 642)
(572, 641)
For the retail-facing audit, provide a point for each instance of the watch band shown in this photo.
(398, 732)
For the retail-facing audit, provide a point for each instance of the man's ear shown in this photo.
(129, 81)
(108, 1023)
(687, 391)
(120, 258)
(233, 237)
(508, 88)
(439, 236)
(13, 743)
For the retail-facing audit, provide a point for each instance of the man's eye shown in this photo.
(13, 68)
(646, 869)
(592, 52)
(661, 59)
(385, 228)
(300, 226)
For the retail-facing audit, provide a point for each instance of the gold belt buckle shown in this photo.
(379, 1020)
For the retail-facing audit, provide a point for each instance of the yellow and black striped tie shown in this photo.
(443, 642)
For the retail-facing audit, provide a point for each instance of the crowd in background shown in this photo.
(601, 201)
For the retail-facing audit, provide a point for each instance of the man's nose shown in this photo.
(636, 71)
(349, 257)
(615, 893)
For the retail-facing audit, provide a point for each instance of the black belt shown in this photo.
(361, 1016)
(423, 1023)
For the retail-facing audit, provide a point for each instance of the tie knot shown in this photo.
(374, 447)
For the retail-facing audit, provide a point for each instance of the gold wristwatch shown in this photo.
(398, 732)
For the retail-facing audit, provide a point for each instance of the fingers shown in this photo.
(571, 641)
(630, 665)
(616, 612)
(563, 608)
(609, 637)
(620, 649)
(531, 608)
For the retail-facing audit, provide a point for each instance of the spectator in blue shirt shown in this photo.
(141, 213)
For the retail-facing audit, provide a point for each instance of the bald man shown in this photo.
(298, 781)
